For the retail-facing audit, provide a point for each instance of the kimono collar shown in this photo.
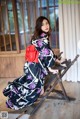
(43, 35)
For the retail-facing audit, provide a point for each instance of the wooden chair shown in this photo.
(50, 84)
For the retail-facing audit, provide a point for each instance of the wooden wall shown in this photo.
(11, 65)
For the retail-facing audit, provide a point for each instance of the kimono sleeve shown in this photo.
(47, 56)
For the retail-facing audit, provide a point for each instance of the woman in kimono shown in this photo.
(26, 89)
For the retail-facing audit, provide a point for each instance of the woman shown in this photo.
(26, 89)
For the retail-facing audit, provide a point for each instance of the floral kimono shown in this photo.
(26, 89)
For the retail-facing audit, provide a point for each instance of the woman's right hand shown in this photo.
(54, 71)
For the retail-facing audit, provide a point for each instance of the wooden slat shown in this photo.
(8, 26)
(29, 17)
(22, 13)
(35, 15)
(16, 25)
(40, 7)
(2, 28)
(28, 11)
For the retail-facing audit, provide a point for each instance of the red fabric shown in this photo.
(31, 54)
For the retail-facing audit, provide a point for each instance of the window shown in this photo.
(17, 22)
(7, 31)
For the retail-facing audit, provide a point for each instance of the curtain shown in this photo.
(69, 35)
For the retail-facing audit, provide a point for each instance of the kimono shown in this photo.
(26, 89)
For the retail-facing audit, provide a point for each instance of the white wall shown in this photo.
(69, 35)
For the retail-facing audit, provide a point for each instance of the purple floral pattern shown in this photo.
(32, 86)
(39, 43)
(42, 75)
(29, 77)
(9, 103)
(15, 89)
(45, 51)
(39, 90)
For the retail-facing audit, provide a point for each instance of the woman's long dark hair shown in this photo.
(38, 31)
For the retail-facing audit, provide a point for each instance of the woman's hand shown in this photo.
(60, 62)
(54, 71)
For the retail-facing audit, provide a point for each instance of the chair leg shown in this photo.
(63, 90)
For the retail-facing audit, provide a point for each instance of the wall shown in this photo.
(11, 65)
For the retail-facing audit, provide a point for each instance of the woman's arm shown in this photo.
(54, 71)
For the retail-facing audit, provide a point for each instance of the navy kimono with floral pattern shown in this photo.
(26, 89)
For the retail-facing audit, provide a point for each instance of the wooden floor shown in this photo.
(52, 109)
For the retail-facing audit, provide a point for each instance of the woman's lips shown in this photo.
(46, 29)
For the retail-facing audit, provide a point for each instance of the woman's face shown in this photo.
(45, 26)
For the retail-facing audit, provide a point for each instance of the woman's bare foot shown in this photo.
(42, 92)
